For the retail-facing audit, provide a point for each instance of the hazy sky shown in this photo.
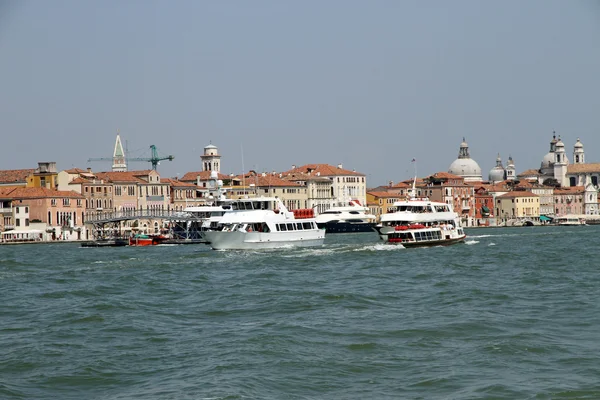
(369, 84)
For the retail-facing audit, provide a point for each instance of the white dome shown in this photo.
(578, 144)
(467, 168)
(496, 174)
(548, 160)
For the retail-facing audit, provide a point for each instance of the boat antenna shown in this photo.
(414, 189)
(243, 171)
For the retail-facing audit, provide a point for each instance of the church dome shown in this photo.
(497, 173)
(465, 166)
(578, 144)
(548, 160)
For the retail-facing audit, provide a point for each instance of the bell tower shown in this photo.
(578, 154)
(211, 160)
(560, 164)
(119, 162)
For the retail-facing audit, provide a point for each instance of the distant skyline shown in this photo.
(370, 85)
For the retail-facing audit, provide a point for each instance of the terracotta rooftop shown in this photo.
(322, 169)
(126, 176)
(15, 175)
(384, 194)
(583, 168)
(445, 175)
(177, 183)
(38, 193)
(569, 190)
(204, 176)
(529, 172)
(75, 171)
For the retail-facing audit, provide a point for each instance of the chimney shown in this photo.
(293, 166)
(391, 183)
(340, 165)
(89, 169)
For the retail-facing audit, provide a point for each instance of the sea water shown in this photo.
(513, 313)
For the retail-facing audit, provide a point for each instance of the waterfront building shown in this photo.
(293, 194)
(517, 205)
(382, 202)
(319, 190)
(455, 190)
(464, 166)
(346, 184)
(41, 214)
(569, 200)
(484, 206)
(401, 189)
(181, 194)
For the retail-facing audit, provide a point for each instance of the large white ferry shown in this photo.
(421, 222)
(262, 223)
(348, 217)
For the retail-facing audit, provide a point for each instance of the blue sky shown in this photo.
(369, 84)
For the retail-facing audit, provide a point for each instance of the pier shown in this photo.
(183, 227)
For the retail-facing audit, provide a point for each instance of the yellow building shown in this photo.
(518, 204)
(45, 176)
(384, 202)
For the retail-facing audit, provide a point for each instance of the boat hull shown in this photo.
(224, 240)
(151, 241)
(430, 243)
(345, 227)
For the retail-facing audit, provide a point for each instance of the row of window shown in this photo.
(296, 226)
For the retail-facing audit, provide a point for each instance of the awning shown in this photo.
(11, 232)
(485, 209)
(544, 218)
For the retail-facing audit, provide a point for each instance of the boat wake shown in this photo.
(380, 247)
(471, 242)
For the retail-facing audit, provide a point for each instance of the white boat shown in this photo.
(262, 223)
(420, 222)
(207, 216)
(348, 217)
(567, 220)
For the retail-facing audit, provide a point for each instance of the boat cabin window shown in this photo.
(298, 226)
(354, 212)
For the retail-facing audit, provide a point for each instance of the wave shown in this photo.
(471, 242)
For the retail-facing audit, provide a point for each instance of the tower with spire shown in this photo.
(119, 162)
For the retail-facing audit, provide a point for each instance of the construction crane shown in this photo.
(154, 159)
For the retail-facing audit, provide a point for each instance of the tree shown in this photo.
(551, 182)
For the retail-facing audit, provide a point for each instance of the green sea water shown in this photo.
(514, 313)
